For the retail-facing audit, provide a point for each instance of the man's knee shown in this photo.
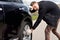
(54, 30)
(47, 30)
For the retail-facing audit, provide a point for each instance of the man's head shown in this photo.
(34, 5)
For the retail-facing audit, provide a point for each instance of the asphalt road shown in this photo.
(38, 33)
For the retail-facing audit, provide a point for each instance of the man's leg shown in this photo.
(47, 32)
(56, 33)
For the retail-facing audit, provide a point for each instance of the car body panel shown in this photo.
(13, 13)
(14, 6)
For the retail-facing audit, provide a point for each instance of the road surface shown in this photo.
(38, 33)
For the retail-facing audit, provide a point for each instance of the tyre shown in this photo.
(21, 34)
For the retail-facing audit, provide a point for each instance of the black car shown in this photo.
(15, 15)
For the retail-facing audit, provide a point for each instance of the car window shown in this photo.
(12, 0)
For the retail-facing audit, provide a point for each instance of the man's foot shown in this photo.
(59, 38)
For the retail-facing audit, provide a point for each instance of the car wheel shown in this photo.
(21, 33)
(25, 25)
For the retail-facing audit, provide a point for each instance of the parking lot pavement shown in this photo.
(38, 33)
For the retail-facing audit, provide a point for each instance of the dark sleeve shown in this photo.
(32, 11)
(42, 13)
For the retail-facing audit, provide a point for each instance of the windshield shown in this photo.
(12, 0)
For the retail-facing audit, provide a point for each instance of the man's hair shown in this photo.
(32, 3)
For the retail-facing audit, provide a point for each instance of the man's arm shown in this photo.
(42, 13)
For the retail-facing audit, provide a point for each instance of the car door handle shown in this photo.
(1, 9)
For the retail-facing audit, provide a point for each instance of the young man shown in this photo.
(49, 12)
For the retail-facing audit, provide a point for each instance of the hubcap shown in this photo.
(26, 36)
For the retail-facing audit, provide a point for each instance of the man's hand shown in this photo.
(29, 31)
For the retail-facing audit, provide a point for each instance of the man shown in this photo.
(49, 12)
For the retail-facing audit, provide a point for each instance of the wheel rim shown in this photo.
(26, 36)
